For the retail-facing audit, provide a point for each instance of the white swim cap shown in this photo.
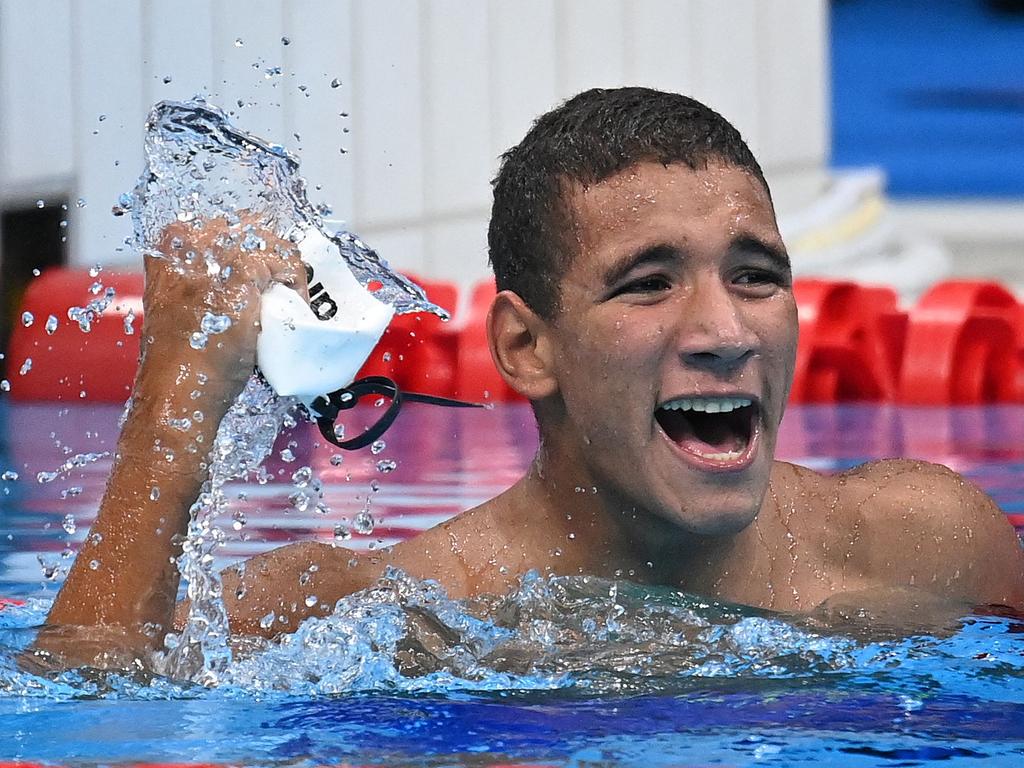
(305, 349)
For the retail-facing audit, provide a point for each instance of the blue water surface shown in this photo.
(813, 697)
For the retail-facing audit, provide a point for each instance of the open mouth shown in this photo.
(718, 431)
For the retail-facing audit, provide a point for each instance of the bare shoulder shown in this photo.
(273, 592)
(919, 524)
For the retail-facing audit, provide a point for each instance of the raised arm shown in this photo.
(119, 596)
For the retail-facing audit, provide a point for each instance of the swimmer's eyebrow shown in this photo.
(663, 254)
(748, 244)
(660, 254)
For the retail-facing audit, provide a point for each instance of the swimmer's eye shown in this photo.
(652, 284)
(761, 282)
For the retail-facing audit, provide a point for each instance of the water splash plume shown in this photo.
(200, 168)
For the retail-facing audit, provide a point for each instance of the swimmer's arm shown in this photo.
(274, 592)
(120, 592)
(121, 588)
(928, 528)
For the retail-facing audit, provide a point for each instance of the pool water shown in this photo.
(715, 684)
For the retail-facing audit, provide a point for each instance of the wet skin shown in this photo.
(680, 290)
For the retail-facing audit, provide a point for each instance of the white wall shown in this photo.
(435, 90)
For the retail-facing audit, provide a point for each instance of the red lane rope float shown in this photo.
(68, 364)
(963, 345)
(850, 341)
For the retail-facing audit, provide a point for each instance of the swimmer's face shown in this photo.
(674, 344)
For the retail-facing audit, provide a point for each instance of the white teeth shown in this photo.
(726, 456)
(707, 404)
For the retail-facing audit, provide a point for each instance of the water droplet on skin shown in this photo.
(94, 565)
(198, 340)
(267, 621)
(95, 537)
(154, 493)
(51, 324)
(363, 522)
(311, 601)
(214, 324)
(27, 318)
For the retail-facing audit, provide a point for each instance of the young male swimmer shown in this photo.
(645, 309)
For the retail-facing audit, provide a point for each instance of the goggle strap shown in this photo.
(329, 406)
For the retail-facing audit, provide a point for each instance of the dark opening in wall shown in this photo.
(30, 239)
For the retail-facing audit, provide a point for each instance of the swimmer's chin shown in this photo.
(688, 525)
(723, 524)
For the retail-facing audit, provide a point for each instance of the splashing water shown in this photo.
(199, 168)
(579, 633)
(244, 439)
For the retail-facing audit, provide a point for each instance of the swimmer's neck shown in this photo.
(572, 526)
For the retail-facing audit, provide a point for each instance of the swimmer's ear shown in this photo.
(520, 342)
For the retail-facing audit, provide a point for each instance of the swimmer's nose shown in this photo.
(714, 334)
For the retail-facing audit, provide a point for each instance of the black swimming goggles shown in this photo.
(327, 408)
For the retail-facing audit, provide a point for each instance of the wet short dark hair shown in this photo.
(586, 140)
